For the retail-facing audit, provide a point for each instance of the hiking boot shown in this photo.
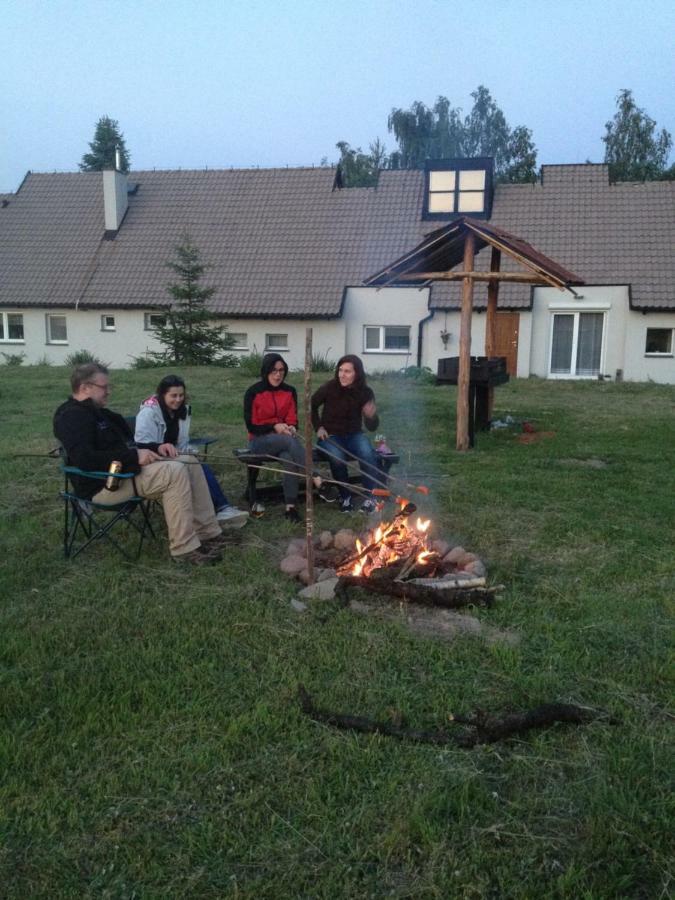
(198, 557)
(215, 544)
(292, 515)
(231, 517)
(368, 506)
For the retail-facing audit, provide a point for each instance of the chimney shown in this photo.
(115, 200)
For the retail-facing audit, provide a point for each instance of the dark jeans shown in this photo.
(356, 445)
(217, 496)
(290, 450)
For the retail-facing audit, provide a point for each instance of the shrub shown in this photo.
(43, 361)
(251, 363)
(322, 363)
(80, 357)
(14, 359)
(143, 362)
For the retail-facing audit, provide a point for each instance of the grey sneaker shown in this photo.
(346, 505)
(368, 506)
(231, 517)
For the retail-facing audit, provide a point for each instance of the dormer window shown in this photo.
(456, 187)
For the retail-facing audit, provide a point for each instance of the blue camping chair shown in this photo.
(86, 522)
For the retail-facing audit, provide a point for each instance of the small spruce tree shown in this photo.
(107, 139)
(188, 337)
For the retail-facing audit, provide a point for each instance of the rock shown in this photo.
(344, 539)
(325, 540)
(303, 575)
(297, 547)
(322, 590)
(467, 558)
(325, 574)
(292, 565)
(298, 605)
(454, 555)
(477, 567)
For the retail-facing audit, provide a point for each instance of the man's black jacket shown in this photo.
(92, 438)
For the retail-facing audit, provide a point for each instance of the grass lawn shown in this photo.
(151, 744)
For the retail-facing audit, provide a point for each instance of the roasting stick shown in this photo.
(383, 490)
(309, 496)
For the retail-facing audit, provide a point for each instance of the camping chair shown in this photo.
(86, 522)
(198, 444)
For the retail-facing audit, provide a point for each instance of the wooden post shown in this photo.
(309, 484)
(465, 347)
(491, 320)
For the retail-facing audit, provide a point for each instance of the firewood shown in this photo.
(450, 598)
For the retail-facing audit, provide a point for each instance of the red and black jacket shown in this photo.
(266, 406)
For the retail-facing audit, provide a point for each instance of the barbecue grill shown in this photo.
(486, 372)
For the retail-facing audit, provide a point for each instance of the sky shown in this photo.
(221, 83)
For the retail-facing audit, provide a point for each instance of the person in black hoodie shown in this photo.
(339, 408)
(271, 416)
(93, 437)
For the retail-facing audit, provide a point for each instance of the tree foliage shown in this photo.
(633, 148)
(187, 335)
(359, 169)
(107, 139)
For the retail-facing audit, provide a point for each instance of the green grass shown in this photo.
(151, 745)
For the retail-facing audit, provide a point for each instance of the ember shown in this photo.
(398, 547)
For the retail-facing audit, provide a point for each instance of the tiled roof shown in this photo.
(281, 242)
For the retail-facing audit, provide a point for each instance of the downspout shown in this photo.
(420, 328)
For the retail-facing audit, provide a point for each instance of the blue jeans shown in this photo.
(291, 451)
(356, 445)
(217, 496)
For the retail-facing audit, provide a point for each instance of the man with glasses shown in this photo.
(93, 437)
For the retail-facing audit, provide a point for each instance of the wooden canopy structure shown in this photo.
(458, 243)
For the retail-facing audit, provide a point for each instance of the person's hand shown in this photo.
(168, 450)
(321, 433)
(369, 409)
(282, 428)
(292, 430)
(145, 457)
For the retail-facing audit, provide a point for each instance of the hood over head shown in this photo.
(269, 361)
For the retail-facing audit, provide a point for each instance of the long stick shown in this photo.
(309, 496)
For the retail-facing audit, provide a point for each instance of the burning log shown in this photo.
(487, 729)
(435, 593)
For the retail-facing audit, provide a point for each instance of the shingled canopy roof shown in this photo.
(443, 249)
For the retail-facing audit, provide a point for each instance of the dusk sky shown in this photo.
(255, 82)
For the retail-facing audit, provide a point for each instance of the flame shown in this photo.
(358, 568)
(422, 557)
(423, 525)
(359, 546)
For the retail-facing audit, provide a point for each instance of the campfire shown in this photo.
(398, 547)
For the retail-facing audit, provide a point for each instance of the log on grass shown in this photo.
(448, 598)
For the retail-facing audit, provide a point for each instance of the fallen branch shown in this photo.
(451, 597)
(487, 729)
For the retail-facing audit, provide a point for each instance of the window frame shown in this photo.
(6, 339)
(275, 348)
(458, 167)
(576, 314)
(104, 326)
(660, 354)
(240, 345)
(382, 347)
(147, 326)
(60, 342)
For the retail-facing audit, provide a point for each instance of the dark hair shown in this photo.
(165, 385)
(268, 362)
(81, 374)
(360, 379)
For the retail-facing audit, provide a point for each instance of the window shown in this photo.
(240, 339)
(276, 342)
(57, 330)
(576, 344)
(659, 342)
(386, 339)
(153, 320)
(11, 327)
(456, 187)
(108, 323)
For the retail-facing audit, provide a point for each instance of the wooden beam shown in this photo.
(309, 465)
(552, 280)
(513, 277)
(491, 322)
(465, 347)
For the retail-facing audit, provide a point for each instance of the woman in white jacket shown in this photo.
(163, 425)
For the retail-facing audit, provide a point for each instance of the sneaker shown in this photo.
(231, 517)
(198, 557)
(346, 505)
(328, 493)
(368, 506)
(292, 515)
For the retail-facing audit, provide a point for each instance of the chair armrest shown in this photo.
(73, 470)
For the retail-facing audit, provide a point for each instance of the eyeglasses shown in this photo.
(279, 369)
(103, 387)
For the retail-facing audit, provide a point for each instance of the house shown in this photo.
(83, 265)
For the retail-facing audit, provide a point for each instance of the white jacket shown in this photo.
(151, 427)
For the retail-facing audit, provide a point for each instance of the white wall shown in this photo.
(611, 300)
(638, 365)
(129, 339)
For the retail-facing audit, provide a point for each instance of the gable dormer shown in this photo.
(458, 187)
